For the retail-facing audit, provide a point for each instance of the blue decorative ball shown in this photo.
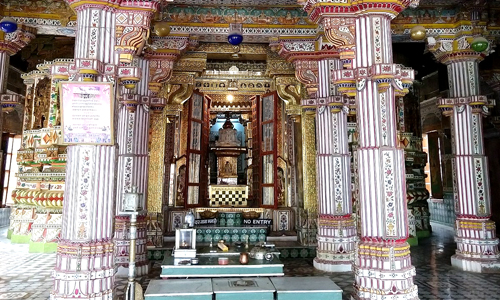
(235, 39)
(8, 25)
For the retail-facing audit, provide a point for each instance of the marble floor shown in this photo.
(26, 275)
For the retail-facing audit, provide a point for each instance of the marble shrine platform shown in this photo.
(263, 288)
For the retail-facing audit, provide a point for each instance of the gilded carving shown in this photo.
(156, 159)
(289, 89)
(180, 94)
(182, 78)
(28, 108)
(309, 161)
(276, 65)
(228, 48)
(42, 103)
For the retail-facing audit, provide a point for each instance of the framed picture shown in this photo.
(87, 113)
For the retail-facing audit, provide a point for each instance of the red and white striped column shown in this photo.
(382, 268)
(132, 136)
(336, 227)
(85, 265)
(475, 234)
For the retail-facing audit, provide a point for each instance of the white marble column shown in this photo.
(85, 264)
(133, 161)
(336, 227)
(475, 234)
(383, 266)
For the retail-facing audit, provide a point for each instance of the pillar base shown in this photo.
(475, 265)
(42, 247)
(20, 239)
(332, 266)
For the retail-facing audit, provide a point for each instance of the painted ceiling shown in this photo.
(261, 18)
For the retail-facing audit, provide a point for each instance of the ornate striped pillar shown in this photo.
(336, 228)
(132, 136)
(85, 262)
(382, 268)
(475, 234)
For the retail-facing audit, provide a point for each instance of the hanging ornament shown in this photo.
(162, 29)
(235, 36)
(479, 44)
(8, 25)
(417, 33)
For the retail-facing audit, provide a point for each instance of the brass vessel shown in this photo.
(244, 258)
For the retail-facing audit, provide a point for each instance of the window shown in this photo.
(11, 168)
(433, 180)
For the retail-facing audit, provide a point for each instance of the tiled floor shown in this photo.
(27, 276)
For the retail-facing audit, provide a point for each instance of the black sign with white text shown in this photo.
(262, 222)
(205, 221)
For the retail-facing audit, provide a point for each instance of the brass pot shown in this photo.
(244, 258)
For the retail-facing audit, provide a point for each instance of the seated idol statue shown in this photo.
(228, 135)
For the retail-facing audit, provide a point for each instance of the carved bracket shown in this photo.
(159, 71)
(306, 72)
(289, 89)
(133, 20)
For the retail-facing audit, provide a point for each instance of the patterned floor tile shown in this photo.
(26, 276)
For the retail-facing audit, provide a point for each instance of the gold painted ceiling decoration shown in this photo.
(221, 103)
(244, 15)
(253, 66)
(52, 17)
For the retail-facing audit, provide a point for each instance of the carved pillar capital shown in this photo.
(451, 49)
(317, 10)
(157, 104)
(479, 104)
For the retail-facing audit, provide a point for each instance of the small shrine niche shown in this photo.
(41, 103)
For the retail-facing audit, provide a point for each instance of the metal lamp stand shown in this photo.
(132, 208)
